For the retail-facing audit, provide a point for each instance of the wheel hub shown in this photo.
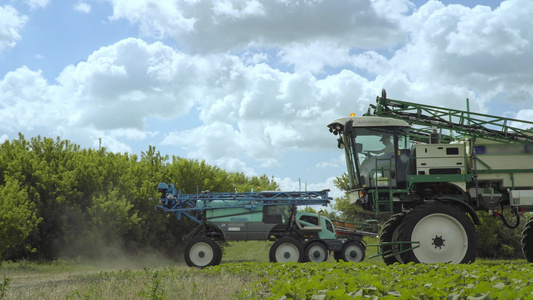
(316, 254)
(438, 242)
(201, 254)
(287, 255)
(353, 254)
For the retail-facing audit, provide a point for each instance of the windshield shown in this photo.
(371, 154)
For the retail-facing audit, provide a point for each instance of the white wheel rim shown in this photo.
(201, 254)
(316, 253)
(442, 239)
(353, 253)
(287, 252)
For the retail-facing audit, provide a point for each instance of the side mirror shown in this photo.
(340, 143)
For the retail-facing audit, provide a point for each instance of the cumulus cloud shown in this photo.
(481, 50)
(119, 86)
(37, 3)
(3, 138)
(526, 115)
(261, 78)
(288, 184)
(82, 7)
(110, 95)
(11, 23)
(221, 25)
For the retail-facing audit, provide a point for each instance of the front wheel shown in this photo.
(389, 234)
(286, 249)
(316, 252)
(202, 252)
(445, 233)
(352, 251)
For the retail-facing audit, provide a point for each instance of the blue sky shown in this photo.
(249, 85)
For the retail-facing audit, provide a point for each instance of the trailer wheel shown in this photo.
(352, 251)
(316, 252)
(527, 240)
(389, 233)
(202, 252)
(285, 250)
(446, 234)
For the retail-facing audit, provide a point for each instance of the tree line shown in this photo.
(59, 200)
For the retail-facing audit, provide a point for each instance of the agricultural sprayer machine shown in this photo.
(262, 215)
(432, 168)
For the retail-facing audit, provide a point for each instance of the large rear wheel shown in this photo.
(286, 249)
(389, 234)
(202, 252)
(527, 241)
(445, 233)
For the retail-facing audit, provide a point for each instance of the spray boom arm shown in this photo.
(191, 205)
(463, 123)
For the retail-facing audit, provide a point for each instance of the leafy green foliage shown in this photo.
(510, 280)
(153, 291)
(496, 240)
(3, 287)
(17, 216)
(58, 200)
(261, 280)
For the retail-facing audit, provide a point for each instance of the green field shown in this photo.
(245, 273)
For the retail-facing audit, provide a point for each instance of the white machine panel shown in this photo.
(521, 198)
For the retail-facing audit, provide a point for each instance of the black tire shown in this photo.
(389, 234)
(202, 252)
(446, 234)
(527, 241)
(286, 249)
(316, 252)
(352, 251)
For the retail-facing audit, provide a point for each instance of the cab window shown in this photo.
(310, 219)
(329, 226)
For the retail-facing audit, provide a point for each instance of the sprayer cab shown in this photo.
(377, 150)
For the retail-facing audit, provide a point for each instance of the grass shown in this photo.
(146, 278)
(235, 252)
(131, 278)
(73, 280)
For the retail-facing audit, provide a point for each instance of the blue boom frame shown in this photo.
(172, 201)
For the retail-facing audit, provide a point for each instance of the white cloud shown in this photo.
(11, 23)
(24, 101)
(334, 162)
(288, 184)
(261, 78)
(37, 3)
(119, 86)
(220, 25)
(82, 7)
(477, 51)
(526, 115)
(310, 56)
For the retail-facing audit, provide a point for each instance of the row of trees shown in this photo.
(58, 200)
